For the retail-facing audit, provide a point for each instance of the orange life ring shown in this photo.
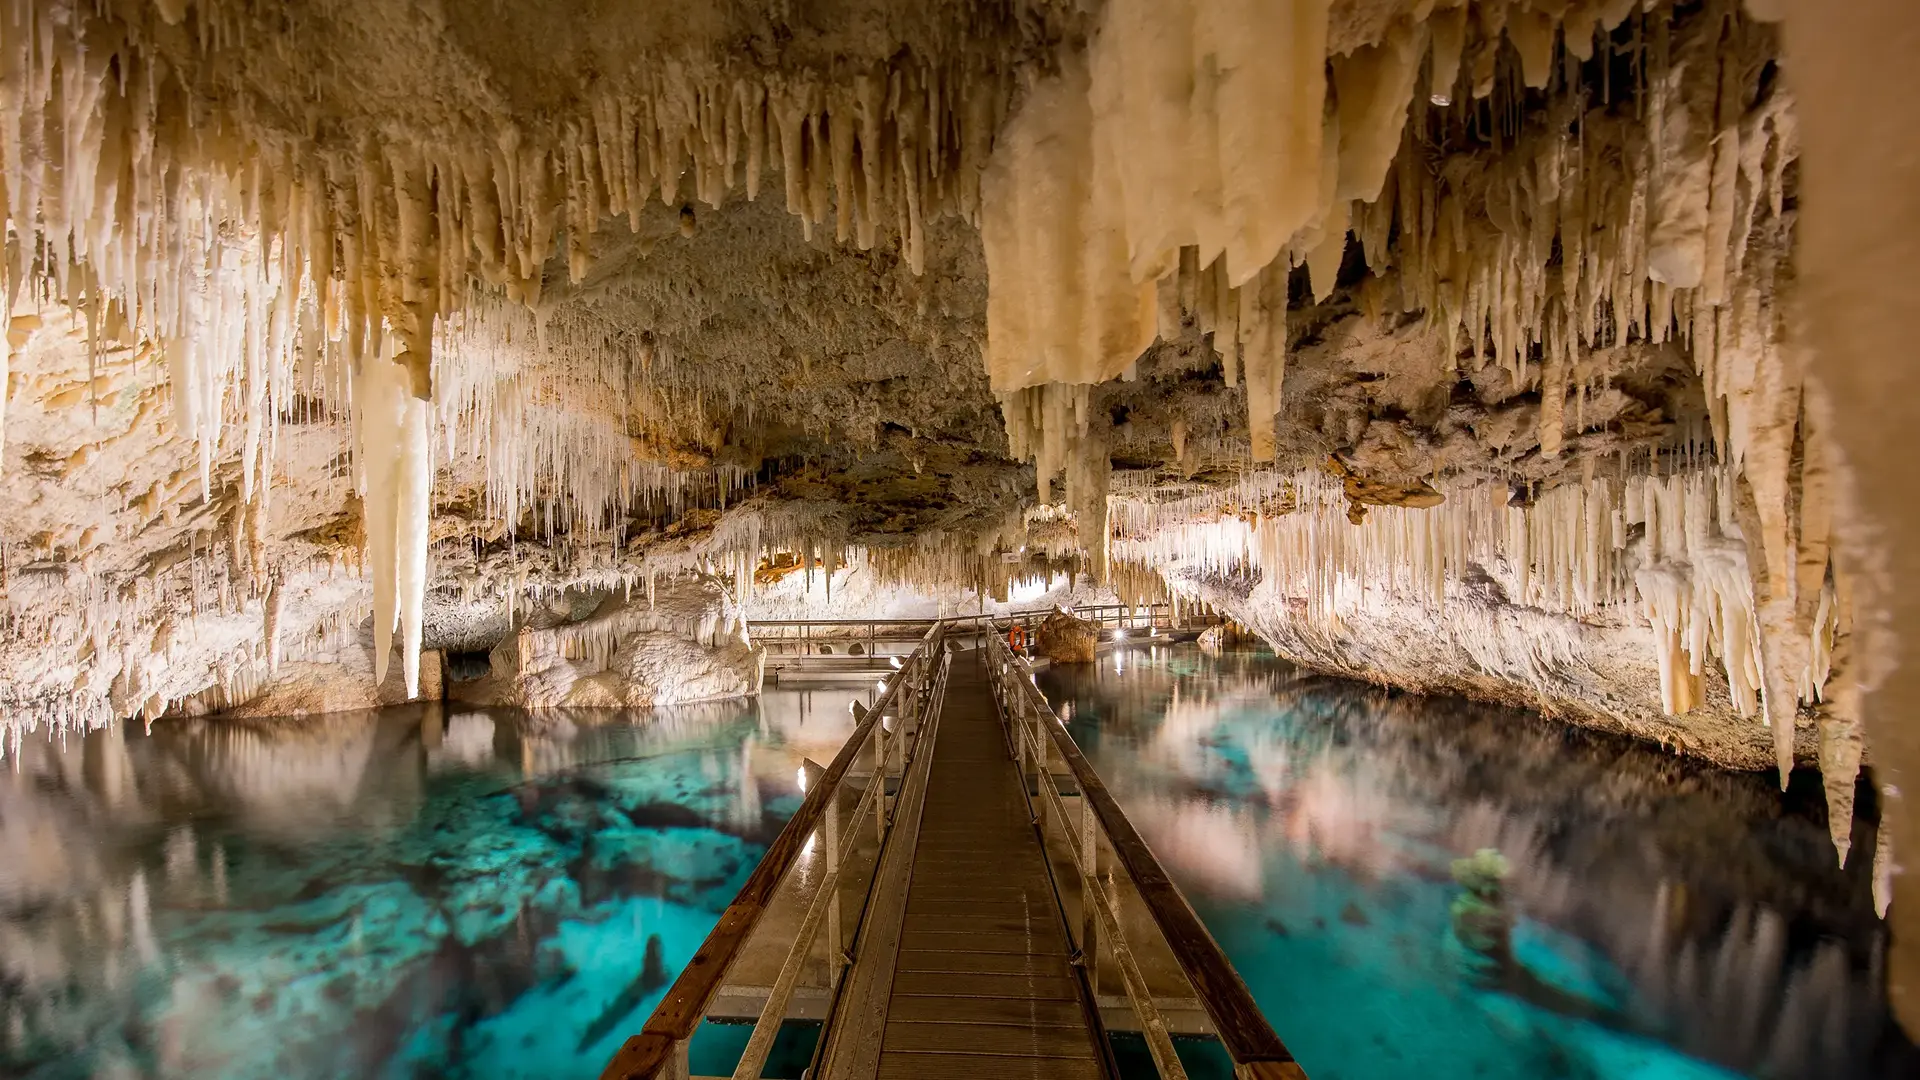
(1017, 637)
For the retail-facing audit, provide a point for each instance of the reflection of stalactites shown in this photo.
(104, 763)
(1883, 868)
(140, 918)
(747, 809)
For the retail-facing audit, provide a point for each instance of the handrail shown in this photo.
(660, 1049)
(1257, 1051)
(954, 620)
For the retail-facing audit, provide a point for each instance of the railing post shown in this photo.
(880, 777)
(1037, 759)
(836, 948)
(677, 1062)
(1089, 894)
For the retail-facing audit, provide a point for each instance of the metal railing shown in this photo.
(1103, 843)
(912, 702)
(816, 637)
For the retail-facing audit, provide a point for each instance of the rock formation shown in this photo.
(1455, 344)
(686, 644)
(1064, 639)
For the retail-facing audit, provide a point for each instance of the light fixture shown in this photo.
(801, 778)
(895, 661)
(881, 686)
(1119, 635)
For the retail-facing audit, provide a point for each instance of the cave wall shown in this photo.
(1454, 345)
(1863, 231)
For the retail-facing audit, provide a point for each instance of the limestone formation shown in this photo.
(1064, 639)
(1454, 344)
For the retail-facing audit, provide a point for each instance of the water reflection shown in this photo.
(1665, 916)
(404, 892)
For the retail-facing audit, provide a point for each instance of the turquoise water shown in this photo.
(475, 893)
(1670, 922)
(382, 894)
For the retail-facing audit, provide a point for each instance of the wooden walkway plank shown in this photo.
(902, 1066)
(983, 986)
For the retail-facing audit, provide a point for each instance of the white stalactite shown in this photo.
(396, 455)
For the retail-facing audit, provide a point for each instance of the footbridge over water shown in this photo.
(958, 896)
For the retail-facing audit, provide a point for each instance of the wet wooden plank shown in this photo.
(950, 984)
(1038, 1012)
(973, 962)
(1036, 926)
(937, 904)
(940, 937)
(905, 1066)
(1013, 1040)
(982, 986)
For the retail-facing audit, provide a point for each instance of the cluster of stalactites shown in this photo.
(1672, 549)
(1498, 182)
(1211, 151)
(1187, 134)
(563, 418)
(1053, 426)
(266, 270)
(993, 563)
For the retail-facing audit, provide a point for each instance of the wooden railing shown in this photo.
(659, 1051)
(1101, 841)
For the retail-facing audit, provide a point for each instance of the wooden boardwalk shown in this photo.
(962, 960)
(982, 986)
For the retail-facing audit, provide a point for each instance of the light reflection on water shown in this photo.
(1673, 921)
(400, 893)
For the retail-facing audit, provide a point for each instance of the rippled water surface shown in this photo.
(1670, 922)
(371, 895)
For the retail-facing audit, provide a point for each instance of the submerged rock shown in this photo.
(652, 978)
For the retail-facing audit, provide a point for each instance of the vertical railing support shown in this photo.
(836, 945)
(1089, 894)
(880, 752)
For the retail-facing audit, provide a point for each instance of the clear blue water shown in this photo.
(1671, 922)
(392, 895)
(368, 895)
